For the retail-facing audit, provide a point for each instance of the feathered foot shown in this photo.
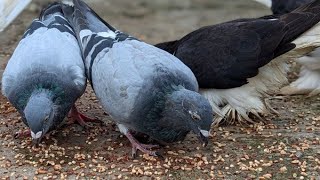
(75, 115)
(145, 148)
(232, 115)
(289, 90)
(268, 105)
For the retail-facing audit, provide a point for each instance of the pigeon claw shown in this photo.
(145, 148)
(23, 133)
(75, 115)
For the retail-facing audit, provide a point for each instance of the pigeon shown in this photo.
(9, 10)
(309, 76)
(238, 63)
(46, 75)
(144, 89)
(281, 7)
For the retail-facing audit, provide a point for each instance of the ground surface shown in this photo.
(287, 147)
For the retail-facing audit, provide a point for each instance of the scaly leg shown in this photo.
(23, 133)
(75, 115)
(145, 148)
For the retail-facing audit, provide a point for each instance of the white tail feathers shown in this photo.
(9, 10)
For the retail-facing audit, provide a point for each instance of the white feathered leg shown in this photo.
(309, 77)
(235, 105)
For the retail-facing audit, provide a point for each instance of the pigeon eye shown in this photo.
(46, 119)
(194, 116)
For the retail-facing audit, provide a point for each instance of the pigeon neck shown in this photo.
(41, 94)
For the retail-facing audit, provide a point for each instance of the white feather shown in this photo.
(109, 34)
(308, 81)
(84, 33)
(237, 103)
(9, 10)
(309, 77)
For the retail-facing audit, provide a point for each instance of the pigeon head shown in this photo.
(39, 114)
(193, 110)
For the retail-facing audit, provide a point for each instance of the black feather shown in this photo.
(225, 55)
(282, 7)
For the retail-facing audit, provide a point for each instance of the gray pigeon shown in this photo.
(46, 75)
(143, 88)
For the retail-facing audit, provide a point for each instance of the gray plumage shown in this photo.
(143, 88)
(45, 74)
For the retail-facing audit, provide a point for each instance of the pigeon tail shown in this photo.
(300, 20)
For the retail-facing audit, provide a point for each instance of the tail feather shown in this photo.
(300, 20)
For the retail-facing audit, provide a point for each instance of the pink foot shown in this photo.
(75, 115)
(23, 133)
(145, 148)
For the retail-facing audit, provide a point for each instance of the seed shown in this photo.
(57, 167)
(295, 162)
(41, 171)
(283, 169)
(267, 176)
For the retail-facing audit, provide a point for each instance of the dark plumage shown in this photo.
(280, 7)
(225, 56)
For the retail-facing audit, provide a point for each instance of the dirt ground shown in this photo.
(286, 147)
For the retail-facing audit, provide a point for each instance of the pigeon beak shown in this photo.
(203, 139)
(202, 135)
(36, 137)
